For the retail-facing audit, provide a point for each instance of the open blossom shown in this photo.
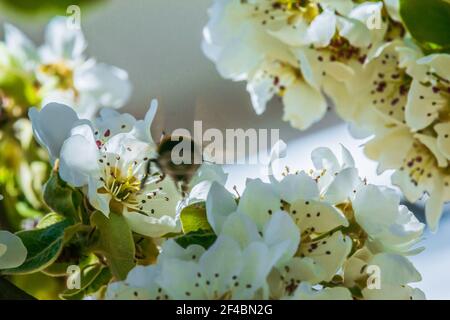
(107, 158)
(306, 236)
(404, 107)
(60, 71)
(297, 50)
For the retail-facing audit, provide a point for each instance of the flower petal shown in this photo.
(303, 105)
(63, 42)
(240, 228)
(282, 236)
(79, 160)
(107, 85)
(151, 226)
(443, 138)
(330, 252)
(12, 251)
(316, 216)
(423, 105)
(219, 205)
(298, 186)
(51, 126)
(322, 28)
(259, 201)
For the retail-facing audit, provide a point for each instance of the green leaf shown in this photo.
(92, 280)
(115, 242)
(49, 220)
(43, 246)
(73, 252)
(87, 276)
(63, 199)
(193, 218)
(428, 22)
(8, 291)
(200, 237)
(100, 281)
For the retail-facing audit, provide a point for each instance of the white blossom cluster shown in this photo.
(359, 55)
(325, 234)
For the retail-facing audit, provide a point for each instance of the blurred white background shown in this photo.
(158, 43)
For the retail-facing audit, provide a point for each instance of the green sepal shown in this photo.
(193, 218)
(43, 247)
(63, 199)
(115, 242)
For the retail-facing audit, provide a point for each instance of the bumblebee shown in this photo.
(183, 169)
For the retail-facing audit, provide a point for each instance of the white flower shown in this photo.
(303, 103)
(108, 158)
(113, 172)
(12, 251)
(63, 72)
(337, 180)
(428, 94)
(88, 84)
(393, 275)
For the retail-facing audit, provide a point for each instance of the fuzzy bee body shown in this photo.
(181, 173)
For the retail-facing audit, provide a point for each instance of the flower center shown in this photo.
(289, 10)
(307, 8)
(341, 50)
(62, 72)
(120, 186)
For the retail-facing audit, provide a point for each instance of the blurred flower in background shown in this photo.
(30, 76)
